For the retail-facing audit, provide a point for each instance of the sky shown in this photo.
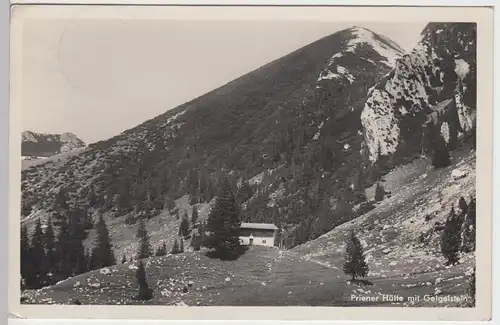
(99, 77)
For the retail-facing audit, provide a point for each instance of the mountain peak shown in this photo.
(45, 144)
(384, 46)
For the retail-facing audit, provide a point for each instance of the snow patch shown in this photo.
(365, 36)
(343, 71)
(327, 75)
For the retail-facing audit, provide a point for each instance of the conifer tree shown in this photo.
(181, 246)
(49, 242)
(194, 215)
(184, 227)
(224, 222)
(102, 252)
(469, 233)
(202, 234)
(92, 198)
(50, 247)
(38, 256)
(27, 271)
(379, 192)
(245, 192)
(450, 238)
(162, 250)
(355, 264)
(80, 260)
(88, 259)
(77, 235)
(124, 197)
(441, 155)
(176, 247)
(463, 205)
(145, 292)
(63, 251)
(145, 249)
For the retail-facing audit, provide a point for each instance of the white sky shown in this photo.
(97, 78)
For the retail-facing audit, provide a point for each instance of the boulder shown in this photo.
(458, 174)
(96, 285)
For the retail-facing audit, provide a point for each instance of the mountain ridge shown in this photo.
(47, 144)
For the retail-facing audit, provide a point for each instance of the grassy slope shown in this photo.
(310, 274)
(163, 227)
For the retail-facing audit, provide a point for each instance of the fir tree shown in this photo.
(124, 197)
(194, 216)
(102, 252)
(184, 227)
(355, 264)
(469, 233)
(63, 252)
(202, 234)
(379, 192)
(245, 192)
(88, 259)
(181, 246)
(145, 249)
(27, 271)
(450, 238)
(38, 256)
(175, 247)
(162, 250)
(463, 205)
(50, 246)
(441, 156)
(145, 292)
(77, 235)
(92, 198)
(224, 222)
(80, 260)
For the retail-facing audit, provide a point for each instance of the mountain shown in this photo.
(305, 131)
(46, 145)
(339, 135)
(277, 121)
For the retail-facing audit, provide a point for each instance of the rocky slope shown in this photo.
(36, 145)
(434, 86)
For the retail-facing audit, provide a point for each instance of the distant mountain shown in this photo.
(46, 145)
